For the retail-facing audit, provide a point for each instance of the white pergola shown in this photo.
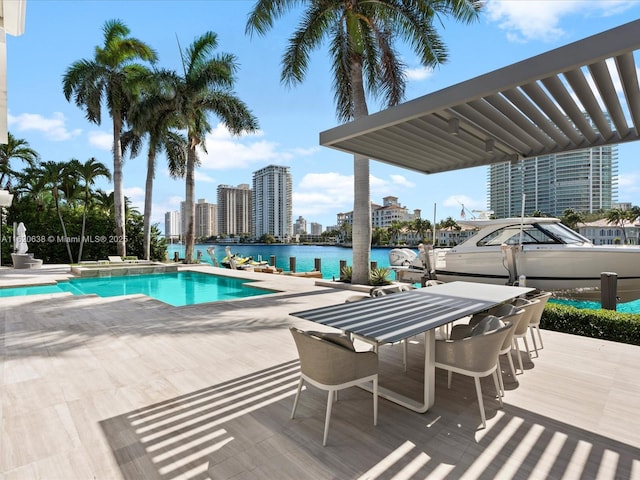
(582, 95)
(12, 20)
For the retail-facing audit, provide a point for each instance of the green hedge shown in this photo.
(602, 324)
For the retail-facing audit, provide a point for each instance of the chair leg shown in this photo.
(327, 417)
(497, 384)
(515, 340)
(501, 391)
(535, 346)
(513, 369)
(295, 401)
(526, 345)
(480, 402)
(375, 401)
(537, 327)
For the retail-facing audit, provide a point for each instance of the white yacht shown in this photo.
(545, 254)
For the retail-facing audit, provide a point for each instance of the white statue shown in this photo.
(21, 239)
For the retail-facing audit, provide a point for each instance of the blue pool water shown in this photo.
(177, 289)
(629, 307)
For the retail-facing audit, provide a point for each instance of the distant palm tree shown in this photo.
(361, 36)
(422, 226)
(571, 218)
(618, 217)
(88, 172)
(206, 88)
(61, 179)
(18, 149)
(108, 76)
(155, 115)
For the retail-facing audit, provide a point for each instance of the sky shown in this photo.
(60, 32)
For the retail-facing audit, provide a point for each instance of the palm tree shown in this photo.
(617, 217)
(571, 218)
(61, 179)
(206, 87)
(19, 149)
(155, 116)
(422, 226)
(88, 172)
(108, 76)
(361, 36)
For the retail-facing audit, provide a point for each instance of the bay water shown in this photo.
(305, 255)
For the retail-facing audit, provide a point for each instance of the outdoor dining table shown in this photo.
(399, 316)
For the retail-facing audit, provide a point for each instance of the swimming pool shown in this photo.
(176, 288)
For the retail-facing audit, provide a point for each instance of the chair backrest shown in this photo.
(477, 353)
(328, 362)
(529, 307)
(515, 318)
(487, 324)
(536, 316)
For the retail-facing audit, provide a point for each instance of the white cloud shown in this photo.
(322, 194)
(225, 152)
(402, 181)
(629, 185)
(419, 73)
(526, 20)
(101, 140)
(203, 177)
(53, 128)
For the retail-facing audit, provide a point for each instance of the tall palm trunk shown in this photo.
(148, 201)
(118, 193)
(84, 223)
(361, 234)
(64, 228)
(189, 210)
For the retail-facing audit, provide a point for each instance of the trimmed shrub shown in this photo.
(602, 324)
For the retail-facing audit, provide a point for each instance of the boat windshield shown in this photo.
(551, 233)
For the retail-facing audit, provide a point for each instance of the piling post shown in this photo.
(374, 265)
(292, 264)
(316, 264)
(272, 260)
(608, 290)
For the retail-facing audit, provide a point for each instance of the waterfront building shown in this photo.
(300, 226)
(204, 219)
(601, 232)
(172, 231)
(583, 180)
(316, 228)
(383, 216)
(272, 202)
(234, 210)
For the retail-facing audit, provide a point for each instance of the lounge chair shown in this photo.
(115, 259)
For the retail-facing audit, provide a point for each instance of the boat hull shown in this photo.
(571, 271)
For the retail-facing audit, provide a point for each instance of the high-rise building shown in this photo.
(300, 226)
(583, 180)
(205, 220)
(172, 225)
(234, 210)
(316, 228)
(272, 207)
